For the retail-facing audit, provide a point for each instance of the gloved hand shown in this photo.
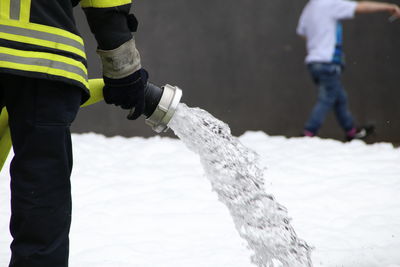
(127, 92)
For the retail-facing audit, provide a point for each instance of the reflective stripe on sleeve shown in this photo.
(104, 3)
(44, 63)
(42, 35)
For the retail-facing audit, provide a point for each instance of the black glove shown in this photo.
(127, 92)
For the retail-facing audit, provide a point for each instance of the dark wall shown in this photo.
(242, 61)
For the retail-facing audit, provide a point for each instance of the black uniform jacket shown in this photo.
(39, 38)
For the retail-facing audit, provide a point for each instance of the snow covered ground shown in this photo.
(146, 203)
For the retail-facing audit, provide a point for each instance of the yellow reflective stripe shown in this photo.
(54, 64)
(43, 55)
(5, 6)
(40, 35)
(39, 42)
(25, 12)
(104, 3)
(41, 69)
(15, 9)
(43, 35)
(42, 28)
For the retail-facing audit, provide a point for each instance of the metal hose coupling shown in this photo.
(160, 105)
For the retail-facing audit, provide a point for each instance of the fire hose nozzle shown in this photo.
(160, 105)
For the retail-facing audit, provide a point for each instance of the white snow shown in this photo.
(146, 203)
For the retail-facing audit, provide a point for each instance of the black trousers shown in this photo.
(40, 114)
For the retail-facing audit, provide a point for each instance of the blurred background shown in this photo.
(243, 62)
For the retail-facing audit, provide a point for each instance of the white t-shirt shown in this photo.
(319, 23)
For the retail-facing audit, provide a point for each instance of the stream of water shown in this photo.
(237, 178)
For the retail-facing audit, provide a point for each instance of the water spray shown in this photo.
(237, 178)
(234, 175)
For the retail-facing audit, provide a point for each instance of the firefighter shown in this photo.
(43, 81)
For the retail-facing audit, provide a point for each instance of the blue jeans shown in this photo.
(331, 95)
